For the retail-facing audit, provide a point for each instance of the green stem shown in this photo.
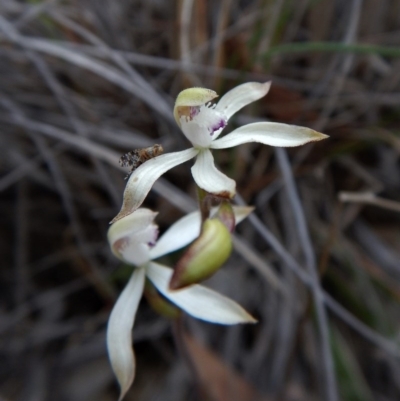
(204, 204)
(180, 343)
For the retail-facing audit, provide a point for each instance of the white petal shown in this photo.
(135, 222)
(119, 331)
(204, 126)
(187, 229)
(180, 234)
(198, 301)
(136, 252)
(143, 178)
(241, 96)
(273, 134)
(209, 178)
(130, 238)
(198, 135)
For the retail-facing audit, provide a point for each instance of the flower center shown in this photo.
(204, 116)
(201, 123)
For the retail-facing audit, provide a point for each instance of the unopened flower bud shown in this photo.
(204, 257)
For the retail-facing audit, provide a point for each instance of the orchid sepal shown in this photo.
(197, 300)
(142, 179)
(209, 178)
(269, 133)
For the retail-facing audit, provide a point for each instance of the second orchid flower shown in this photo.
(133, 241)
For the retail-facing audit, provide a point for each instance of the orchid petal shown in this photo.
(201, 127)
(128, 227)
(136, 255)
(119, 331)
(131, 224)
(187, 229)
(131, 237)
(143, 178)
(241, 96)
(209, 178)
(273, 134)
(198, 134)
(197, 300)
(180, 234)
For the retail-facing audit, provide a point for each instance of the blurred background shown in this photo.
(82, 82)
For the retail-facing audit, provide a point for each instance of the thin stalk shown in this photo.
(204, 204)
(178, 333)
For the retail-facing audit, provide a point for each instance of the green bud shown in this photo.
(160, 304)
(204, 257)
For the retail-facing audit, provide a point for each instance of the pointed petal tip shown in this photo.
(120, 215)
(241, 212)
(266, 86)
(316, 136)
(119, 331)
(251, 320)
(123, 392)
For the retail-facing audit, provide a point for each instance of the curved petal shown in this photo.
(198, 301)
(180, 234)
(131, 224)
(273, 134)
(241, 96)
(143, 178)
(210, 179)
(128, 227)
(131, 237)
(187, 229)
(119, 331)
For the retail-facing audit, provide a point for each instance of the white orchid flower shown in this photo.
(133, 240)
(202, 124)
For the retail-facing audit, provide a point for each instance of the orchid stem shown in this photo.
(180, 343)
(204, 203)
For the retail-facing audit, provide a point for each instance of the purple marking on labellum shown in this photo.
(193, 112)
(154, 241)
(220, 124)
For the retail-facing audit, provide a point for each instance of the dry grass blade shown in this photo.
(317, 263)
